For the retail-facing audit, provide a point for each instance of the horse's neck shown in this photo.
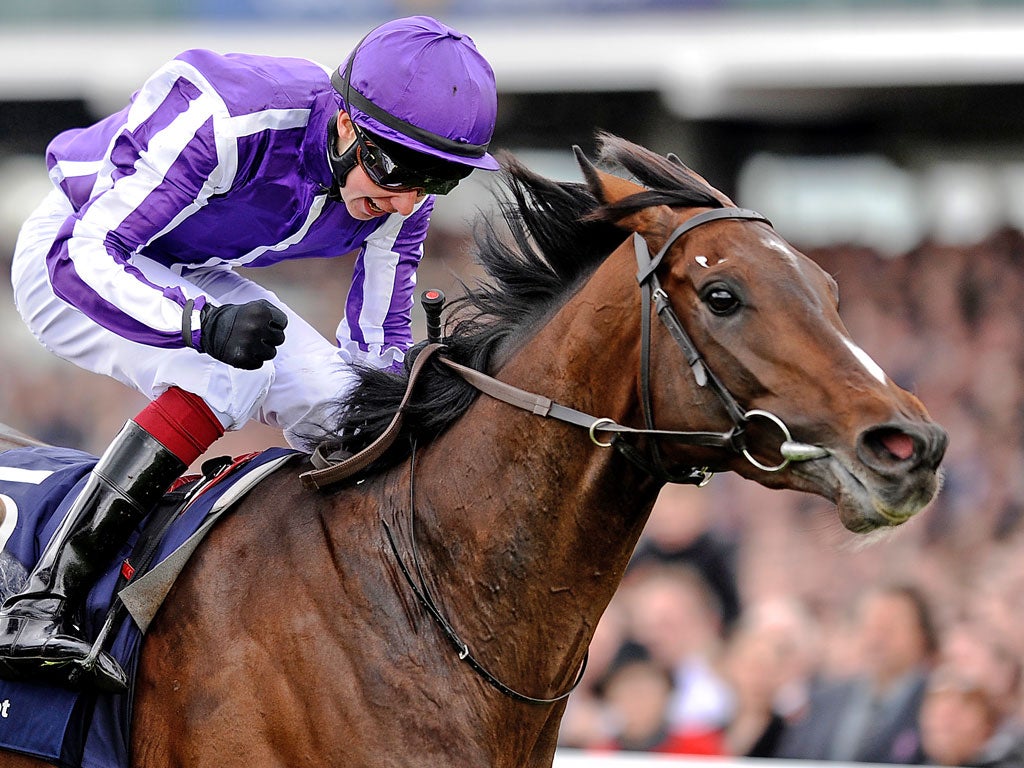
(535, 521)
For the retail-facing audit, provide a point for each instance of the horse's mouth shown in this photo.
(867, 501)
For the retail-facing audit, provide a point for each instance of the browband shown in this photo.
(646, 270)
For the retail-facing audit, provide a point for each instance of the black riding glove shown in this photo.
(242, 335)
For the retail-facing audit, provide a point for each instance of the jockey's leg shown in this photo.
(39, 638)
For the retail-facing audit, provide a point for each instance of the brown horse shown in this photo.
(436, 611)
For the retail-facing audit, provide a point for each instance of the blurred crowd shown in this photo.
(687, 661)
(750, 622)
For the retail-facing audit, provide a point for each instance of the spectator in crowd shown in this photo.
(752, 665)
(960, 721)
(976, 656)
(679, 531)
(771, 663)
(873, 717)
(675, 615)
(637, 690)
(797, 637)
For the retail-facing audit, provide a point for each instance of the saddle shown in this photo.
(37, 485)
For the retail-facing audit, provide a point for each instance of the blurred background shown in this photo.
(885, 139)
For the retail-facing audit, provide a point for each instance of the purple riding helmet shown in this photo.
(424, 103)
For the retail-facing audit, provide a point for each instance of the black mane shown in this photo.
(555, 234)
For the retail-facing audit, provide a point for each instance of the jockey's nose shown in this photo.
(406, 201)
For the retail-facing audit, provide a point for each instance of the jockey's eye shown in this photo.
(720, 299)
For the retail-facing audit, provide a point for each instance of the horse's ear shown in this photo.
(610, 189)
(673, 158)
(604, 186)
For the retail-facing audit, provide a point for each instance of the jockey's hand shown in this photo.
(242, 335)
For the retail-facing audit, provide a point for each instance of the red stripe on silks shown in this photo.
(182, 422)
(183, 481)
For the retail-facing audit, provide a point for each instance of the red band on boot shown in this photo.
(182, 422)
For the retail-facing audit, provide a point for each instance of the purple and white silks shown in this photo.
(221, 160)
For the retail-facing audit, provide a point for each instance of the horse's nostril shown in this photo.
(887, 447)
(899, 444)
(892, 447)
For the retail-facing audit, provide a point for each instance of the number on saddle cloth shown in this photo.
(36, 487)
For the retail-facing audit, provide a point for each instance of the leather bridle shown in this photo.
(332, 468)
(651, 292)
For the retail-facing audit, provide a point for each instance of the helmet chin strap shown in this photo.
(341, 165)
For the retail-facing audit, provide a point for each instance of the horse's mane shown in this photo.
(555, 234)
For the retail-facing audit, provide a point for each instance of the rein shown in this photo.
(422, 592)
(333, 466)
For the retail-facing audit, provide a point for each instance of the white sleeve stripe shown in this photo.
(105, 276)
(268, 119)
(380, 263)
(19, 475)
(73, 168)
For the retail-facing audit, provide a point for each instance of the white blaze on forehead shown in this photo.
(865, 359)
(781, 247)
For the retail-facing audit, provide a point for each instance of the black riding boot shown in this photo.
(39, 635)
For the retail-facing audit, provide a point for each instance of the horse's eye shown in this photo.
(721, 300)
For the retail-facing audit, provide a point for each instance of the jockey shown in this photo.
(126, 269)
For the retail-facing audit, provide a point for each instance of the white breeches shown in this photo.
(290, 392)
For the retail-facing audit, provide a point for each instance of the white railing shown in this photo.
(570, 758)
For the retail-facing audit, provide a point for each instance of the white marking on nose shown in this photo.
(702, 260)
(865, 359)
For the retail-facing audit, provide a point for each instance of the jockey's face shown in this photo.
(364, 199)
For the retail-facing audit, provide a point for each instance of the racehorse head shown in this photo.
(759, 329)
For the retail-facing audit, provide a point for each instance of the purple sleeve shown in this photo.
(129, 178)
(377, 326)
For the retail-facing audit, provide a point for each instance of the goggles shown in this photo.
(399, 169)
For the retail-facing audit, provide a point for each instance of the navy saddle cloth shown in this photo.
(81, 729)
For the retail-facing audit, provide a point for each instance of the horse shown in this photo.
(435, 608)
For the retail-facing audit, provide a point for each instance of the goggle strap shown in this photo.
(341, 165)
(343, 87)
